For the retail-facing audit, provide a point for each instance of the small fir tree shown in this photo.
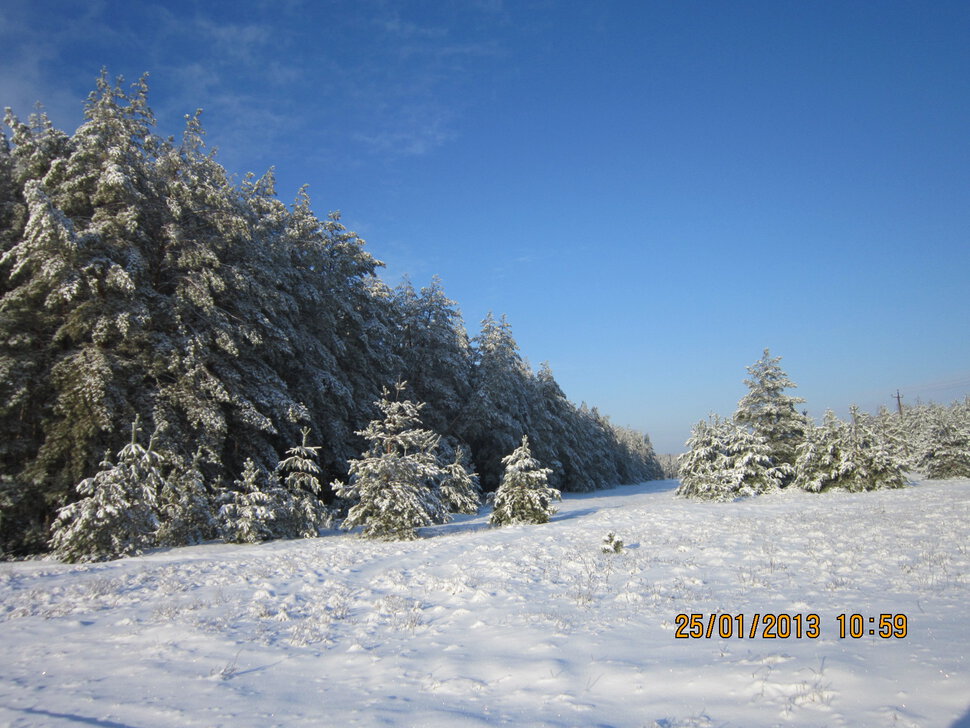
(524, 495)
(847, 456)
(947, 452)
(612, 544)
(118, 514)
(393, 486)
(299, 472)
(459, 488)
(819, 462)
(771, 414)
(725, 461)
(249, 514)
(185, 507)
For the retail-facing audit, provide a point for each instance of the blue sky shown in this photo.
(652, 191)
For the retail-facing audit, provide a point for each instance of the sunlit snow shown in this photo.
(524, 625)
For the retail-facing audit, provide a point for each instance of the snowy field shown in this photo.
(525, 626)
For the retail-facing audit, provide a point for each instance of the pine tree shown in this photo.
(725, 461)
(499, 405)
(947, 452)
(771, 414)
(77, 281)
(820, 460)
(434, 351)
(891, 429)
(185, 506)
(459, 488)
(300, 475)
(250, 512)
(393, 486)
(118, 514)
(524, 495)
(847, 456)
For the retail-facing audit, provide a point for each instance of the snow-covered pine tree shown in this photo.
(498, 406)
(557, 436)
(299, 474)
(819, 461)
(434, 351)
(118, 514)
(459, 488)
(847, 456)
(771, 414)
(725, 461)
(946, 453)
(249, 513)
(393, 487)
(185, 508)
(703, 464)
(524, 495)
(890, 427)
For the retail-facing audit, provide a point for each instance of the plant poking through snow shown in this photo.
(524, 495)
(612, 544)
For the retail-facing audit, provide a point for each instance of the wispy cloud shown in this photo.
(361, 79)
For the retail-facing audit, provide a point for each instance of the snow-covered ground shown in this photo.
(525, 626)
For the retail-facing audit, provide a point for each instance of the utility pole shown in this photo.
(899, 402)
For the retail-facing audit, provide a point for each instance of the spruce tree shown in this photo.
(117, 515)
(847, 456)
(725, 461)
(249, 513)
(771, 414)
(459, 488)
(524, 495)
(185, 506)
(947, 452)
(299, 473)
(393, 487)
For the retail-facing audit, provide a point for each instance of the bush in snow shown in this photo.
(459, 489)
(726, 461)
(612, 544)
(394, 485)
(524, 495)
(117, 516)
(847, 456)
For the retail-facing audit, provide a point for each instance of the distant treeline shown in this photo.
(768, 444)
(137, 280)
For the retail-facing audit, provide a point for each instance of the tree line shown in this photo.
(140, 282)
(769, 444)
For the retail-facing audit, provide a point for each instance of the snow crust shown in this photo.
(524, 625)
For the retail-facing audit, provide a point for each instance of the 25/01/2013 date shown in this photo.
(787, 626)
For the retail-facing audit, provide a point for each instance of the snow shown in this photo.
(524, 625)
